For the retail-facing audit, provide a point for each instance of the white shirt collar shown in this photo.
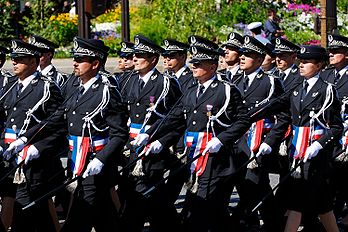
(46, 70)
(288, 70)
(342, 71)
(252, 75)
(147, 76)
(312, 81)
(27, 81)
(180, 71)
(206, 84)
(233, 70)
(89, 83)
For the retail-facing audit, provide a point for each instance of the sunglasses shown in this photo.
(83, 59)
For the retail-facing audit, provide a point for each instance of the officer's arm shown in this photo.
(116, 118)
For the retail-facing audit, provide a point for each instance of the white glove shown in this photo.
(312, 151)
(264, 149)
(140, 140)
(156, 147)
(213, 146)
(93, 168)
(15, 147)
(32, 153)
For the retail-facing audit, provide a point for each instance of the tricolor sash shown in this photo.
(11, 136)
(197, 142)
(79, 147)
(256, 132)
(302, 138)
(135, 129)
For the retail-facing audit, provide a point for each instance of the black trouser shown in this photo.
(158, 207)
(2, 228)
(92, 207)
(34, 219)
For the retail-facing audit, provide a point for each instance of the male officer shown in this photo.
(95, 119)
(126, 54)
(232, 46)
(47, 52)
(175, 54)
(288, 72)
(214, 117)
(338, 75)
(269, 63)
(149, 95)
(5, 76)
(30, 100)
(264, 135)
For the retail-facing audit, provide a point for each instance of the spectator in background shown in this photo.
(256, 30)
(27, 10)
(272, 28)
(66, 7)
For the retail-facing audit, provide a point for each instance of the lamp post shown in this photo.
(125, 20)
(328, 18)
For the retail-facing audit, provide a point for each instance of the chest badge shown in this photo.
(209, 108)
(152, 100)
(214, 85)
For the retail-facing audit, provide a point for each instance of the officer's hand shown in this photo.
(213, 146)
(32, 153)
(15, 147)
(312, 151)
(156, 147)
(264, 149)
(140, 140)
(93, 168)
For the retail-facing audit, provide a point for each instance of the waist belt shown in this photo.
(79, 147)
(197, 142)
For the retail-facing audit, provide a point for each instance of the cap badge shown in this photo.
(193, 39)
(124, 45)
(166, 43)
(232, 35)
(247, 40)
(278, 41)
(136, 41)
(303, 50)
(330, 38)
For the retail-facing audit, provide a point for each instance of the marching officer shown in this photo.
(27, 102)
(232, 46)
(5, 76)
(126, 54)
(46, 67)
(212, 116)
(316, 126)
(175, 53)
(338, 76)
(269, 64)
(95, 119)
(263, 137)
(288, 72)
(149, 96)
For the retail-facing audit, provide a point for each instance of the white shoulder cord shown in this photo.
(29, 113)
(213, 118)
(166, 84)
(271, 91)
(315, 117)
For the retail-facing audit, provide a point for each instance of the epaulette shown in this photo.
(46, 78)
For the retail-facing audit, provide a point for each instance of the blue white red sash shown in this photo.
(11, 136)
(197, 142)
(256, 132)
(135, 129)
(302, 137)
(79, 147)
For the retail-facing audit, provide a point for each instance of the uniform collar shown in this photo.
(252, 75)
(180, 71)
(46, 70)
(27, 81)
(146, 78)
(311, 81)
(233, 70)
(288, 70)
(342, 71)
(89, 83)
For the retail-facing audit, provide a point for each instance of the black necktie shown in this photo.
(337, 78)
(81, 89)
(303, 93)
(200, 91)
(245, 83)
(141, 84)
(282, 75)
(229, 76)
(19, 89)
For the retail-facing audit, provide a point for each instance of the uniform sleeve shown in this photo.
(116, 117)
